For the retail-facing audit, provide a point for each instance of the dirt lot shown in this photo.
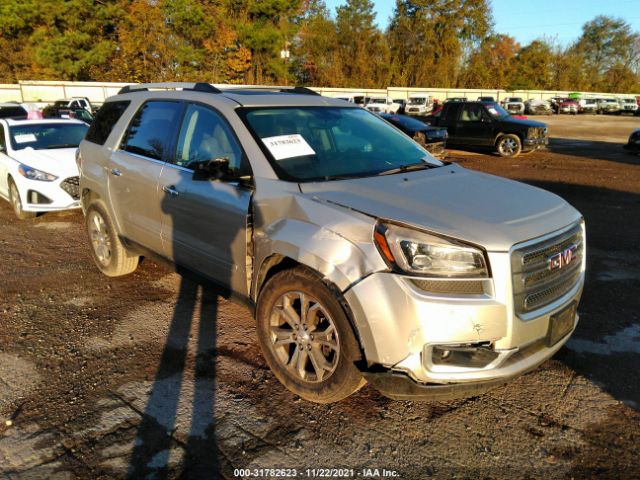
(113, 378)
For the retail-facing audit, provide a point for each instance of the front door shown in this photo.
(135, 169)
(204, 222)
(474, 126)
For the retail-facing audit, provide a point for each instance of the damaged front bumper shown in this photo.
(422, 345)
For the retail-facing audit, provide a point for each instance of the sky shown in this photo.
(527, 20)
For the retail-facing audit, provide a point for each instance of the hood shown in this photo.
(482, 209)
(525, 123)
(60, 162)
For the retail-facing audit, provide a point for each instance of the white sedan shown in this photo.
(38, 171)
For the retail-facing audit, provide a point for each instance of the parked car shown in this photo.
(567, 105)
(588, 105)
(608, 105)
(419, 104)
(379, 104)
(13, 110)
(402, 104)
(486, 99)
(52, 111)
(455, 99)
(513, 105)
(633, 144)
(433, 139)
(628, 105)
(479, 124)
(536, 106)
(358, 98)
(362, 257)
(555, 103)
(38, 172)
(75, 103)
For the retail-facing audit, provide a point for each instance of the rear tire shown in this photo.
(306, 337)
(109, 254)
(16, 203)
(509, 145)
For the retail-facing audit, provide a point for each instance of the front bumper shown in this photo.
(403, 328)
(37, 196)
(534, 143)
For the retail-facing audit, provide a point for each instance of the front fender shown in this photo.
(339, 260)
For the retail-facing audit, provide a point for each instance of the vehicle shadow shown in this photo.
(596, 150)
(606, 344)
(161, 433)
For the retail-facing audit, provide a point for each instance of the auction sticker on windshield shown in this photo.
(288, 146)
(25, 138)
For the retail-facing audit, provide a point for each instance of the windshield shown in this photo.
(328, 143)
(378, 100)
(628, 100)
(44, 136)
(497, 111)
(417, 101)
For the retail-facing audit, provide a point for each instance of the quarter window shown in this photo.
(105, 119)
(149, 133)
(205, 136)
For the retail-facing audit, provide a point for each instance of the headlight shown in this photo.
(33, 174)
(424, 254)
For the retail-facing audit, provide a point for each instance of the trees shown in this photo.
(362, 50)
(429, 37)
(609, 52)
(429, 43)
(492, 64)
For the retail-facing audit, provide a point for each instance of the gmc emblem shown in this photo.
(563, 258)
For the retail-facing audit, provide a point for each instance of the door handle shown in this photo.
(171, 191)
(116, 172)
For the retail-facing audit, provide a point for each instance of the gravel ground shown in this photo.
(155, 376)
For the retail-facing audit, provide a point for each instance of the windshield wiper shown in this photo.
(61, 145)
(410, 167)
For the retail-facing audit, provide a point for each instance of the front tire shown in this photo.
(509, 146)
(109, 254)
(16, 203)
(306, 337)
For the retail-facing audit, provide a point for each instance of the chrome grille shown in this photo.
(535, 283)
(71, 185)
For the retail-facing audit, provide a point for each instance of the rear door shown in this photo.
(204, 222)
(135, 169)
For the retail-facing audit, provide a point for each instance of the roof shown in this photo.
(246, 96)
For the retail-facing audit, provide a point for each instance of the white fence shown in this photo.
(31, 91)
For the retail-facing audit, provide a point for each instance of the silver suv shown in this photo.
(363, 257)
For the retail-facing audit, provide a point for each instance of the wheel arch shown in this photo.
(277, 263)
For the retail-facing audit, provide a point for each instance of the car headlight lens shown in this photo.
(425, 254)
(33, 174)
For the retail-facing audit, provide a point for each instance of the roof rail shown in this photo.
(269, 88)
(196, 87)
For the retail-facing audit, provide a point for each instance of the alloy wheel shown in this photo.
(304, 337)
(100, 239)
(508, 146)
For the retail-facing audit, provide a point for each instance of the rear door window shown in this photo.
(106, 118)
(151, 130)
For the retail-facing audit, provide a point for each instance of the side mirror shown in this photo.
(215, 169)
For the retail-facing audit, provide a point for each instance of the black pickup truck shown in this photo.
(487, 124)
